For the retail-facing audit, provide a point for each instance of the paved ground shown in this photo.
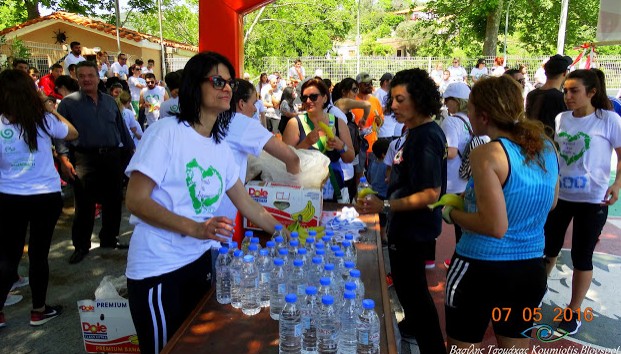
(70, 283)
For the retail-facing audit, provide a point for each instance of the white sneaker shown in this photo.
(13, 299)
(20, 283)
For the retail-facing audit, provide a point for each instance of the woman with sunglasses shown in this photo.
(417, 178)
(178, 177)
(303, 132)
(136, 83)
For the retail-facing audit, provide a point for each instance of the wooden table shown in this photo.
(214, 328)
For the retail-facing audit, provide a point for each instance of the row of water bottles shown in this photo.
(313, 324)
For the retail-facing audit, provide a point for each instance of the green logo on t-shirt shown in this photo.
(205, 186)
(7, 133)
(572, 149)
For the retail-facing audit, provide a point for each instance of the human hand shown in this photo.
(370, 204)
(336, 144)
(312, 138)
(67, 170)
(219, 228)
(611, 196)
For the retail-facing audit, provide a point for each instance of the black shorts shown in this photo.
(589, 220)
(478, 292)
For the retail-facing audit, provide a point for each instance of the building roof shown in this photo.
(99, 26)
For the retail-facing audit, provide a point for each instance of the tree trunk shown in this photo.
(32, 6)
(491, 30)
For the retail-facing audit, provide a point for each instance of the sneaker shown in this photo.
(13, 299)
(23, 281)
(447, 263)
(2, 320)
(38, 318)
(570, 327)
(389, 280)
(430, 264)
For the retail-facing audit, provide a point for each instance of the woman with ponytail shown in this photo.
(514, 185)
(586, 136)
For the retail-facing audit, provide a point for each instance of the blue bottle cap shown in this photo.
(311, 290)
(354, 273)
(349, 264)
(320, 245)
(326, 239)
(339, 254)
(317, 260)
(264, 252)
(283, 251)
(279, 239)
(329, 267)
(325, 281)
(320, 252)
(278, 262)
(291, 298)
(330, 233)
(294, 243)
(327, 300)
(302, 251)
(346, 243)
(363, 179)
(238, 253)
(278, 227)
(349, 295)
(270, 244)
(350, 286)
(368, 304)
(294, 234)
(254, 240)
(310, 239)
(223, 250)
(253, 247)
(248, 234)
(234, 244)
(349, 236)
(298, 263)
(312, 233)
(248, 259)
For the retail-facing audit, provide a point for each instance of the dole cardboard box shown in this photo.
(107, 326)
(286, 203)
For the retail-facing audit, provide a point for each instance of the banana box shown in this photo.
(107, 326)
(286, 203)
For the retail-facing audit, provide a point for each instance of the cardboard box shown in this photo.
(107, 326)
(286, 203)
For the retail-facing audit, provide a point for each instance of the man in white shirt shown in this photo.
(149, 67)
(297, 73)
(120, 68)
(74, 57)
(151, 98)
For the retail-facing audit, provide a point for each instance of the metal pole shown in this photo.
(358, 40)
(560, 44)
(163, 50)
(506, 31)
(118, 24)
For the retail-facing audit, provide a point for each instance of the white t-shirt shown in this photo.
(540, 76)
(246, 136)
(585, 148)
(191, 174)
(457, 136)
(293, 74)
(155, 97)
(133, 89)
(388, 128)
(260, 109)
(348, 168)
(123, 71)
(266, 96)
(169, 106)
(476, 73)
(393, 147)
(25, 172)
(498, 71)
(458, 74)
(398, 129)
(130, 121)
(72, 59)
(103, 71)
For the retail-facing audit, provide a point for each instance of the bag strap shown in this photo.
(466, 123)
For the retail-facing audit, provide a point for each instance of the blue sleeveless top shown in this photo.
(529, 194)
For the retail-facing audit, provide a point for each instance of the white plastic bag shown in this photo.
(109, 288)
(313, 169)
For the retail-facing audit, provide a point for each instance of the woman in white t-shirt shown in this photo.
(178, 177)
(586, 137)
(478, 71)
(136, 84)
(29, 187)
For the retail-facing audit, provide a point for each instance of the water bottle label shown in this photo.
(306, 322)
(265, 277)
(282, 288)
(297, 330)
(363, 337)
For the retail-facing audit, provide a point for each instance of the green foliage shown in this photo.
(17, 50)
(12, 12)
(179, 21)
(370, 47)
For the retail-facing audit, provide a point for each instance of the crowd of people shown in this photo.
(180, 146)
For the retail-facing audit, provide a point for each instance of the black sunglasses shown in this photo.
(313, 97)
(218, 82)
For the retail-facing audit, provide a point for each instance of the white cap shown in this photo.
(457, 90)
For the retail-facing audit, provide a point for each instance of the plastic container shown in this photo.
(290, 327)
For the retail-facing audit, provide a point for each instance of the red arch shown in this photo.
(221, 27)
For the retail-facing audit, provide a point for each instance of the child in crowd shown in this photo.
(377, 178)
(129, 116)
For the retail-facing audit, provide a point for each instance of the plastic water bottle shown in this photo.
(290, 327)
(310, 242)
(246, 241)
(320, 245)
(350, 286)
(223, 276)
(310, 309)
(368, 329)
(280, 242)
(283, 254)
(327, 327)
(349, 313)
(256, 241)
(303, 255)
(362, 185)
(354, 276)
(277, 232)
(236, 268)
(328, 272)
(339, 263)
(297, 280)
(253, 250)
(321, 253)
(278, 287)
(332, 253)
(294, 245)
(350, 251)
(271, 247)
(265, 267)
(325, 287)
(294, 236)
(315, 271)
(250, 287)
(348, 267)
(232, 247)
(326, 241)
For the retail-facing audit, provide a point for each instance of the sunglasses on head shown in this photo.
(218, 82)
(313, 97)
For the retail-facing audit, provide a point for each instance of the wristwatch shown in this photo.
(386, 208)
(344, 149)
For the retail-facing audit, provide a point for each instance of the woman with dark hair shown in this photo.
(65, 85)
(29, 187)
(417, 178)
(478, 71)
(586, 136)
(514, 185)
(263, 80)
(304, 132)
(136, 83)
(178, 178)
(287, 108)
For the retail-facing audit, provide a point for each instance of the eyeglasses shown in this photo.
(218, 82)
(313, 97)
(122, 58)
(150, 82)
(354, 89)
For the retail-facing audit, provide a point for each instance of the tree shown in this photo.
(179, 21)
